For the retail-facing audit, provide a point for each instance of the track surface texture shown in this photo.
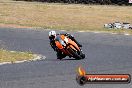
(105, 53)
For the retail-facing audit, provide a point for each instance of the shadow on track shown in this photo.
(67, 59)
(70, 59)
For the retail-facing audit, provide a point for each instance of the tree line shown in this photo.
(102, 2)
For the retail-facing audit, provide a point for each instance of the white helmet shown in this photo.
(52, 34)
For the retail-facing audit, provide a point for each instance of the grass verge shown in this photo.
(12, 56)
(64, 16)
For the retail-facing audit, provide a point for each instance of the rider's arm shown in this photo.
(67, 34)
(52, 43)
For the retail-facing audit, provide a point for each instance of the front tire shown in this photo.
(83, 56)
(74, 53)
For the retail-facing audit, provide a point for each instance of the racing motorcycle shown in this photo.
(69, 47)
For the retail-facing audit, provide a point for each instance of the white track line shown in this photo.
(97, 32)
(81, 31)
(126, 34)
(62, 30)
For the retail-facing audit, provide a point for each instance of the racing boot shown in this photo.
(60, 56)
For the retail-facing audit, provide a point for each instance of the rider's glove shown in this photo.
(69, 35)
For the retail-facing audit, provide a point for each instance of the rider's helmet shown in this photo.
(52, 34)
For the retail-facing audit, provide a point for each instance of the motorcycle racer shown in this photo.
(52, 37)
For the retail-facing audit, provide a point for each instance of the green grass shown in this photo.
(63, 16)
(12, 56)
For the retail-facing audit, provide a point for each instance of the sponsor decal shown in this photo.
(83, 78)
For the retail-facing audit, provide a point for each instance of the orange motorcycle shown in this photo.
(69, 47)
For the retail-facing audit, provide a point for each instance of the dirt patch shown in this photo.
(63, 17)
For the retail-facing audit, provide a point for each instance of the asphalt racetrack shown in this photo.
(105, 53)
